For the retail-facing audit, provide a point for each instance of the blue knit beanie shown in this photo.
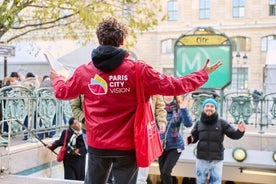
(210, 100)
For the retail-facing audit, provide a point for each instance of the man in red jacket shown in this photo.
(108, 86)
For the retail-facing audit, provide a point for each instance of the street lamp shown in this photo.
(237, 69)
(244, 58)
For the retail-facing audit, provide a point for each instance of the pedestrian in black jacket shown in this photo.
(209, 132)
(74, 161)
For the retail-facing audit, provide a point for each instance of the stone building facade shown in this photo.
(250, 24)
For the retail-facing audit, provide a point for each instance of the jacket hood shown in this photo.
(106, 58)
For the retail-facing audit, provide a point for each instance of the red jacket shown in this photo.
(110, 99)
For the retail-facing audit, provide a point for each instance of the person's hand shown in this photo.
(189, 140)
(49, 145)
(241, 126)
(184, 102)
(76, 152)
(162, 128)
(53, 74)
(212, 68)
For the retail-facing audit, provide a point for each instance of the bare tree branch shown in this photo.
(32, 30)
(46, 23)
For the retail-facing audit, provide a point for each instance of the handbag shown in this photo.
(62, 151)
(147, 141)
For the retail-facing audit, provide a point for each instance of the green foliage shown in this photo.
(73, 19)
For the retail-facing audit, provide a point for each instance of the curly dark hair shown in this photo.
(111, 32)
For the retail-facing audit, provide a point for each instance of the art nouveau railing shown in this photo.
(45, 115)
(38, 109)
(260, 111)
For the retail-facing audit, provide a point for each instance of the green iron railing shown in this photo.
(233, 107)
(46, 116)
(38, 109)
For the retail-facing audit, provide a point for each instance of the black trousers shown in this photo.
(74, 169)
(124, 169)
(167, 162)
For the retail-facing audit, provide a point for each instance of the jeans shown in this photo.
(208, 170)
(142, 175)
(167, 162)
(124, 169)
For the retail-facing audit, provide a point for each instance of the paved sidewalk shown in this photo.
(14, 179)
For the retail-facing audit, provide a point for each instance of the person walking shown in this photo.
(74, 160)
(173, 143)
(110, 102)
(209, 132)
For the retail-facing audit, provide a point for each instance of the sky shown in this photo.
(30, 51)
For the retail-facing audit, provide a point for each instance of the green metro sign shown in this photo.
(192, 51)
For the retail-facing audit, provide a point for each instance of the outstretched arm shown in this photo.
(212, 68)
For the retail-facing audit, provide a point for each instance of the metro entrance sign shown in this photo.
(192, 51)
(203, 39)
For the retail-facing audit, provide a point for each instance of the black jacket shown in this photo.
(210, 138)
(69, 152)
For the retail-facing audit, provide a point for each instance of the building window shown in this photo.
(167, 46)
(204, 9)
(272, 7)
(238, 8)
(265, 40)
(239, 79)
(241, 43)
(172, 10)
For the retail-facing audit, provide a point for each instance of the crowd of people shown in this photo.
(15, 82)
(104, 101)
(20, 79)
(106, 86)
